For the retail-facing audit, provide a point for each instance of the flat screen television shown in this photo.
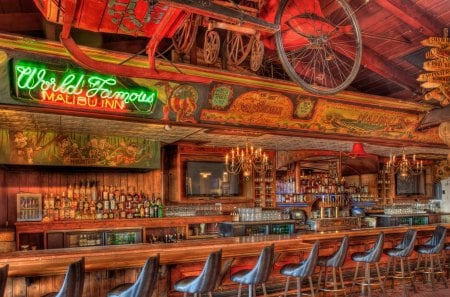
(413, 185)
(210, 179)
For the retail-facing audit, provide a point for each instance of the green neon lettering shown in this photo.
(75, 87)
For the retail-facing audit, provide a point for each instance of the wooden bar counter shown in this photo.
(33, 273)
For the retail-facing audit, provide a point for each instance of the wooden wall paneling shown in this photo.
(157, 182)
(19, 287)
(56, 282)
(46, 285)
(130, 275)
(87, 284)
(118, 277)
(33, 290)
(3, 198)
(9, 288)
(108, 180)
(95, 280)
(123, 184)
(13, 187)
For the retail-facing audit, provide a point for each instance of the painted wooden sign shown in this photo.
(76, 149)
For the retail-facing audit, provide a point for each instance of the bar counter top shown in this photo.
(55, 261)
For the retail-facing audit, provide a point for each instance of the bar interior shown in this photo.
(166, 148)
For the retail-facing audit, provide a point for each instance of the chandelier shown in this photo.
(247, 160)
(403, 166)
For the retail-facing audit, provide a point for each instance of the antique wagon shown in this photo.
(317, 42)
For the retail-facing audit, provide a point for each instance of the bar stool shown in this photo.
(302, 270)
(447, 250)
(258, 274)
(206, 281)
(145, 283)
(73, 281)
(402, 251)
(3, 279)
(432, 250)
(334, 261)
(371, 256)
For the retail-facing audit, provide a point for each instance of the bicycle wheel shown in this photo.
(319, 44)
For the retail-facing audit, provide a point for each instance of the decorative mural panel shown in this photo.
(57, 86)
(274, 110)
(76, 149)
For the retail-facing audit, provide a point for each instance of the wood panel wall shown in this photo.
(55, 180)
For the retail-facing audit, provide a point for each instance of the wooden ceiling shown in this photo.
(391, 62)
(392, 31)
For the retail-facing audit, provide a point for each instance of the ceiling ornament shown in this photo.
(247, 160)
(437, 79)
(403, 166)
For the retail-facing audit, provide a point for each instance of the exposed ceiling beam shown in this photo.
(412, 15)
(20, 22)
(376, 63)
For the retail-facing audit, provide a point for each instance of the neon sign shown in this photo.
(74, 88)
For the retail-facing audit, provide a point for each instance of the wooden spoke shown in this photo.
(238, 47)
(256, 55)
(184, 38)
(211, 46)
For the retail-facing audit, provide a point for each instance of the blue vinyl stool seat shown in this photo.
(206, 281)
(258, 274)
(302, 270)
(145, 283)
(73, 281)
(335, 261)
(3, 279)
(431, 250)
(402, 251)
(371, 256)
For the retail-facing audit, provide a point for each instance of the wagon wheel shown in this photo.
(319, 49)
(238, 47)
(184, 38)
(211, 46)
(256, 55)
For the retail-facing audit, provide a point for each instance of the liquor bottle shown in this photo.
(76, 191)
(70, 191)
(87, 191)
(94, 191)
(105, 193)
(154, 207)
(146, 207)
(160, 206)
(82, 190)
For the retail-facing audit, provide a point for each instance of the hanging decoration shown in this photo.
(437, 79)
(246, 160)
(404, 166)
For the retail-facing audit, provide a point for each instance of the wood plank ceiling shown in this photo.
(392, 31)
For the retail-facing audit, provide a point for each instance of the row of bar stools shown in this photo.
(73, 281)
(258, 274)
(335, 261)
(371, 256)
(145, 283)
(301, 271)
(431, 250)
(401, 251)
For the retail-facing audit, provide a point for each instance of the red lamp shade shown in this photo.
(358, 150)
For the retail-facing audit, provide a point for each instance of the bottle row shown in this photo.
(86, 202)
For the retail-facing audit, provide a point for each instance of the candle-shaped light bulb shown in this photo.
(414, 158)
(421, 164)
(226, 159)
